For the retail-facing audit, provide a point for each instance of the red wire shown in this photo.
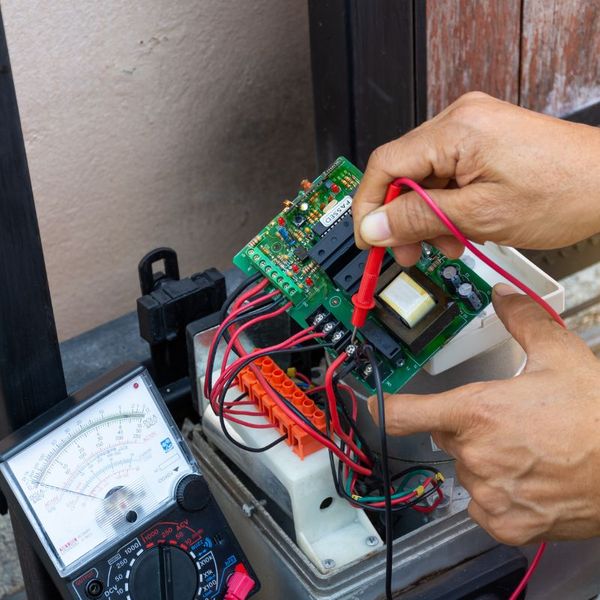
(335, 421)
(397, 186)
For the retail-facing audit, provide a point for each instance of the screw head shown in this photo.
(372, 541)
(338, 335)
(328, 327)
(329, 563)
(350, 349)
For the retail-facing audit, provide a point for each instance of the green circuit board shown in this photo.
(307, 252)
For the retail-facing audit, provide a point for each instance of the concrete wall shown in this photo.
(157, 122)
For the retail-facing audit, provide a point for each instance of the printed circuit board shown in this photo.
(307, 252)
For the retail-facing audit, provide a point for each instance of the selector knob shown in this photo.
(163, 573)
(192, 493)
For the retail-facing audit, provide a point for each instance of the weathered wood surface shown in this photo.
(472, 45)
(560, 59)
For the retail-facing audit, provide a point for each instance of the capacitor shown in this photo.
(466, 292)
(451, 276)
(283, 232)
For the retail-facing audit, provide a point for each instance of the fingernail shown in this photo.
(503, 289)
(375, 227)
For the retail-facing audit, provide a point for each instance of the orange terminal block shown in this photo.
(301, 443)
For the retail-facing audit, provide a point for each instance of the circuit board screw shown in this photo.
(329, 563)
(372, 541)
(367, 370)
(350, 350)
(319, 318)
(328, 327)
(337, 336)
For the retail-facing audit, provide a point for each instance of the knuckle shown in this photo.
(492, 500)
(470, 456)
(504, 531)
(382, 157)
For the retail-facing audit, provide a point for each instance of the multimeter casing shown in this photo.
(186, 551)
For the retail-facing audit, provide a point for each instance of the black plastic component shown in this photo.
(164, 573)
(299, 220)
(366, 370)
(301, 253)
(94, 588)
(383, 342)
(192, 493)
(348, 278)
(168, 304)
(339, 236)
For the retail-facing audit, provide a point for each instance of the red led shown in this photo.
(308, 281)
(295, 268)
(281, 221)
(335, 188)
(136, 386)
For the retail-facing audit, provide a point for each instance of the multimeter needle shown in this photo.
(67, 490)
(354, 332)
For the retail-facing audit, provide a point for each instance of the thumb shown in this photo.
(409, 413)
(526, 321)
(408, 219)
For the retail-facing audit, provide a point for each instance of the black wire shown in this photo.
(387, 484)
(237, 292)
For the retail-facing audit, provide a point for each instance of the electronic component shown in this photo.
(468, 293)
(338, 240)
(301, 253)
(441, 309)
(451, 277)
(333, 212)
(348, 278)
(383, 342)
(407, 298)
(299, 220)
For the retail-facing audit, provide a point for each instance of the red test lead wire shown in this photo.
(364, 299)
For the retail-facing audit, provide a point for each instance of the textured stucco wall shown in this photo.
(156, 122)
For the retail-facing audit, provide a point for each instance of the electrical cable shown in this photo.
(363, 300)
(387, 484)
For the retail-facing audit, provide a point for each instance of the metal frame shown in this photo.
(31, 374)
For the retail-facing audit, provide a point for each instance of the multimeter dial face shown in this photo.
(102, 473)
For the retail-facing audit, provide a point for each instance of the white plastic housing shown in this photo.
(486, 330)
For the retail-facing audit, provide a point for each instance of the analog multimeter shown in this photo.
(115, 500)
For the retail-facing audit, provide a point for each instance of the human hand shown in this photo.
(527, 449)
(500, 172)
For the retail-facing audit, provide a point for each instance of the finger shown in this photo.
(446, 442)
(424, 152)
(466, 478)
(533, 328)
(408, 219)
(449, 245)
(407, 255)
(479, 515)
(450, 411)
